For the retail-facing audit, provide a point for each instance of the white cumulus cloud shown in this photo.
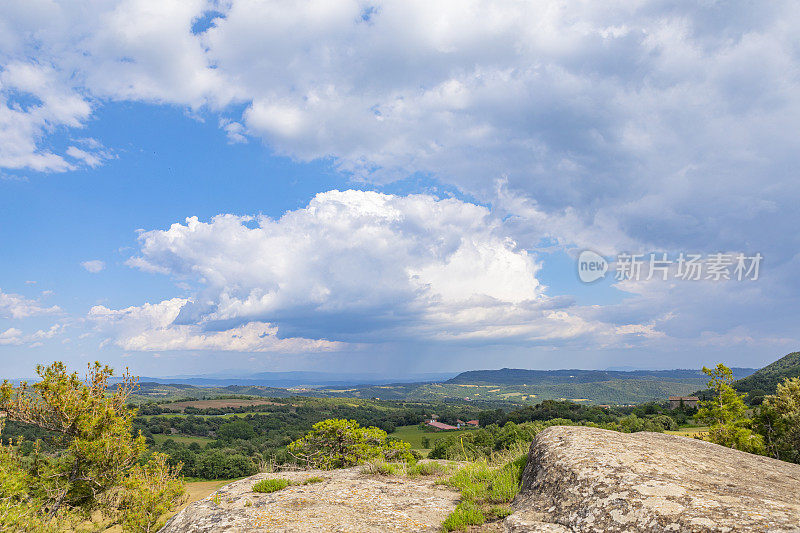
(16, 306)
(94, 266)
(151, 327)
(11, 336)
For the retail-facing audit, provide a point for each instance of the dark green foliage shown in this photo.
(755, 397)
(238, 429)
(646, 417)
(549, 409)
(666, 422)
(778, 421)
(220, 464)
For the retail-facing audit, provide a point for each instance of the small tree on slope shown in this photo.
(725, 414)
(94, 452)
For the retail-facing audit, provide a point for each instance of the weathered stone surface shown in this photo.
(346, 501)
(524, 522)
(588, 479)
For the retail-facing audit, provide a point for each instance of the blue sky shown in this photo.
(400, 192)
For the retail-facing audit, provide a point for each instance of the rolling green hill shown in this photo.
(519, 376)
(767, 378)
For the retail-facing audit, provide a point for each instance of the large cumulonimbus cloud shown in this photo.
(351, 267)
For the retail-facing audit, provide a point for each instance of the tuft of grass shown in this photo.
(483, 484)
(270, 485)
(391, 469)
(518, 465)
(498, 512)
(313, 479)
(426, 469)
(473, 481)
(465, 514)
(502, 487)
(383, 468)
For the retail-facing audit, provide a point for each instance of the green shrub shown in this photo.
(91, 467)
(726, 414)
(465, 514)
(238, 429)
(666, 422)
(339, 443)
(223, 464)
(313, 479)
(270, 485)
(20, 507)
(518, 465)
(480, 483)
(483, 443)
(778, 421)
(397, 450)
(149, 491)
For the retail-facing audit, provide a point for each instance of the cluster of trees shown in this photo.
(288, 418)
(771, 428)
(218, 460)
(87, 459)
(152, 408)
(650, 416)
(483, 442)
(244, 444)
(548, 410)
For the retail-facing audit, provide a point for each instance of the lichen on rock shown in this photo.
(347, 500)
(589, 479)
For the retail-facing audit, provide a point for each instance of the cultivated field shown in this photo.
(413, 435)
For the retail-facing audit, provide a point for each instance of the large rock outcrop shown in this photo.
(347, 500)
(587, 479)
